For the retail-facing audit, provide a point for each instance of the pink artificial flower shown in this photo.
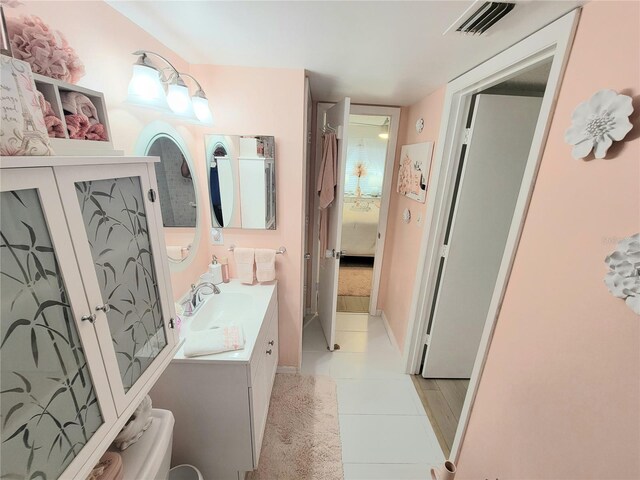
(45, 49)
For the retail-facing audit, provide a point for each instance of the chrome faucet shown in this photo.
(195, 300)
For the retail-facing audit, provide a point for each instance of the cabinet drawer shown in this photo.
(262, 384)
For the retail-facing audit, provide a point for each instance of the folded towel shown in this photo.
(244, 264)
(96, 132)
(78, 104)
(136, 425)
(54, 125)
(265, 264)
(218, 340)
(78, 125)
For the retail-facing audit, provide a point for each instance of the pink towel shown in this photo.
(96, 132)
(244, 264)
(54, 125)
(76, 103)
(78, 125)
(265, 264)
(326, 185)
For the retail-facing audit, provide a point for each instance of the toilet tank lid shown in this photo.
(143, 458)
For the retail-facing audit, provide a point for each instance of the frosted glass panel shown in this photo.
(116, 222)
(49, 406)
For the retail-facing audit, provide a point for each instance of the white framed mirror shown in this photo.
(242, 181)
(177, 190)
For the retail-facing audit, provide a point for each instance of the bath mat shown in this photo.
(355, 281)
(302, 436)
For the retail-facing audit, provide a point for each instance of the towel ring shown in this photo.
(280, 251)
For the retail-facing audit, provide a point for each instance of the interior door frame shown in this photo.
(394, 124)
(552, 42)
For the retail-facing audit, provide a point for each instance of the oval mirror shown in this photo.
(177, 192)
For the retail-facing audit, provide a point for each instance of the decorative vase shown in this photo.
(444, 472)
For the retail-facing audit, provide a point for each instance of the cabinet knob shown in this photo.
(105, 308)
(88, 318)
(269, 352)
(271, 342)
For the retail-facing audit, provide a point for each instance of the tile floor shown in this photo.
(385, 432)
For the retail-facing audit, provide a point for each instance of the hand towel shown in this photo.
(218, 340)
(136, 425)
(78, 104)
(265, 264)
(244, 264)
(78, 126)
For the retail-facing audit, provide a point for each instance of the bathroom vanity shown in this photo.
(220, 401)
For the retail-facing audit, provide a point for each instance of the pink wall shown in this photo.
(243, 101)
(560, 393)
(266, 101)
(403, 240)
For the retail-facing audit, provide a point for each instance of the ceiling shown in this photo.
(376, 52)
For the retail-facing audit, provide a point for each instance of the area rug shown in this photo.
(355, 281)
(302, 436)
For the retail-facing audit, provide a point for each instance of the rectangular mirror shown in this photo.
(242, 181)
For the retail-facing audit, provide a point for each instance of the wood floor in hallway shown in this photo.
(443, 400)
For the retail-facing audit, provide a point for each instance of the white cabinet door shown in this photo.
(56, 401)
(116, 236)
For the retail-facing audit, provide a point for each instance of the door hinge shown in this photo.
(171, 323)
(427, 339)
(444, 251)
(466, 136)
(152, 195)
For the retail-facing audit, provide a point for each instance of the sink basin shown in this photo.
(222, 309)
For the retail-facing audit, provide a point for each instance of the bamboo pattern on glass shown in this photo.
(116, 223)
(48, 403)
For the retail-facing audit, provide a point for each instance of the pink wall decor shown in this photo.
(598, 122)
(623, 277)
(22, 122)
(45, 49)
(413, 170)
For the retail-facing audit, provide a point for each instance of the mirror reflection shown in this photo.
(177, 194)
(242, 177)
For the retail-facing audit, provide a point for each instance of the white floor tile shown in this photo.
(316, 363)
(377, 397)
(366, 365)
(352, 322)
(313, 339)
(387, 471)
(388, 439)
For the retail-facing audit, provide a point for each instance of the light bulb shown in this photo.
(145, 86)
(178, 99)
(201, 107)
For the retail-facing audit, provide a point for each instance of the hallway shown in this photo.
(385, 432)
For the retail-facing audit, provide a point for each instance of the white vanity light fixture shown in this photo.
(147, 88)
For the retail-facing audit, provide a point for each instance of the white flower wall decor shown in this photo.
(623, 277)
(597, 122)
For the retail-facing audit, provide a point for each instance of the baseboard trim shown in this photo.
(387, 327)
(287, 369)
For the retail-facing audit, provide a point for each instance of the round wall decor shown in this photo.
(420, 125)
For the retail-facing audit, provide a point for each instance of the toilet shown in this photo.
(150, 457)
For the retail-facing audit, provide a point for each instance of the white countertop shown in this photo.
(251, 318)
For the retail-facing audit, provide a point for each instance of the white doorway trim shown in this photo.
(552, 42)
(394, 125)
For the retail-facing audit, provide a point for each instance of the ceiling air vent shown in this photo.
(476, 21)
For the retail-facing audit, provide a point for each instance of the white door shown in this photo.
(338, 118)
(496, 154)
